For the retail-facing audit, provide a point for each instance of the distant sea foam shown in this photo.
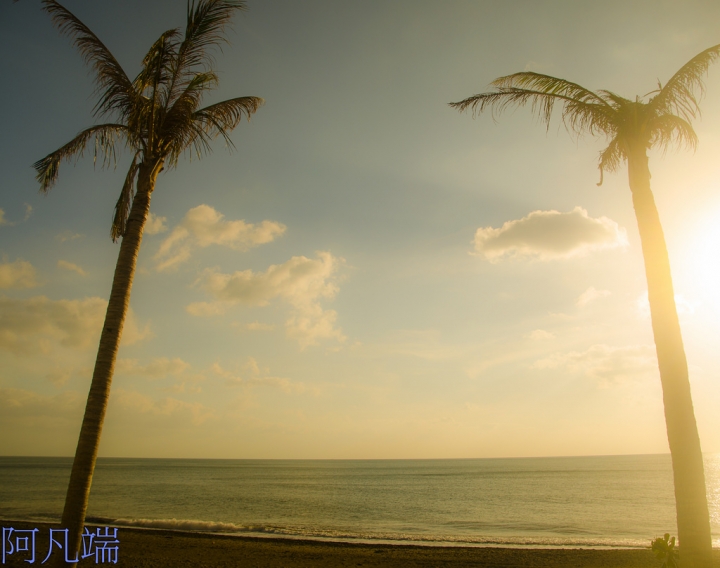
(606, 501)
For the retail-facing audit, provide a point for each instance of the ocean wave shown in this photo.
(171, 524)
(343, 535)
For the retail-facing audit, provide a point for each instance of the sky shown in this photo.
(368, 273)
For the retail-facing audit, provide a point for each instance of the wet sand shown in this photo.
(144, 548)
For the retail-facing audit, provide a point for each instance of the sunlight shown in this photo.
(712, 481)
(697, 272)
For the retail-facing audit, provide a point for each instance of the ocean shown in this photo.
(604, 501)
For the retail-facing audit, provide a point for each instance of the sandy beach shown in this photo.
(142, 548)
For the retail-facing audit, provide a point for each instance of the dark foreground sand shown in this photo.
(168, 549)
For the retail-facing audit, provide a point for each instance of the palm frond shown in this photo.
(209, 123)
(669, 129)
(678, 96)
(105, 137)
(124, 203)
(205, 24)
(151, 84)
(116, 92)
(611, 157)
(222, 117)
(206, 21)
(549, 85)
(182, 109)
(578, 115)
(157, 65)
(613, 100)
(189, 100)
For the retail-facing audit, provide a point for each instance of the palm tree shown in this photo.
(659, 119)
(158, 117)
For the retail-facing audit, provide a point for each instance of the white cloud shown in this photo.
(605, 363)
(424, 344)
(65, 265)
(540, 334)
(252, 375)
(302, 282)
(4, 221)
(311, 324)
(166, 408)
(548, 235)
(133, 332)
(590, 295)
(158, 368)
(204, 226)
(164, 368)
(206, 309)
(682, 305)
(59, 377)
(34, 324)
(68, 236)
(185, 387)
(155, 224)
(258, 326)
(18, 274)
(24, 404)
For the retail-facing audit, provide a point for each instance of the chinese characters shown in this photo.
(101, 544)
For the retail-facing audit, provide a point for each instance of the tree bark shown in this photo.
(78, 492)
(693, 520)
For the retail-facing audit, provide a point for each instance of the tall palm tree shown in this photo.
(659, 119)
(158, 117)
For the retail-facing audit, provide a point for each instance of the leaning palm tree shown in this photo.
(659, 119)
(158, 117)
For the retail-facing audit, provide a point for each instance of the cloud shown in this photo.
(423, 344)
(33, 325)
(59, 377)
(605, 363)
(301, 282)
(252, 326)
(258, 326)
(311, 324)
(163, 368)
(65, 265)
(68, 236)
(158, 368)
(4, 221)
(683, 306)
(24, 404)
(155, 224)
(548, 235)
(133, 332)
(252, 375)
(165, 408)
(590, 295)
(206, 309)
(540, 334)
(204, 226)
(19, 274)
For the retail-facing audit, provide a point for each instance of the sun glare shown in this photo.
(697, 270)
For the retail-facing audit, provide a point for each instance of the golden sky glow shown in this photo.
(371, 274)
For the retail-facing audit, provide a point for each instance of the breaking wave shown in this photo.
(330, 534)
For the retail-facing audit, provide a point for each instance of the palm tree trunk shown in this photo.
(78, 492)
(693, 520)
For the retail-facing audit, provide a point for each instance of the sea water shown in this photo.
(564, 501)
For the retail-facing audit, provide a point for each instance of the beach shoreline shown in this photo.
(161, 548)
